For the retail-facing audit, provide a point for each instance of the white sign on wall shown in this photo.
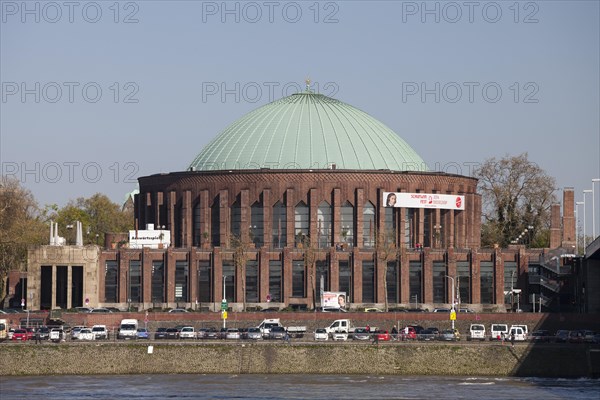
(424, 200)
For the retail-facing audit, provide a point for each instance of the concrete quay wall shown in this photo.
(300, 358)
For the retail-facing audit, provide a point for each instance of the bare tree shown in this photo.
(517, 194)
(385, 249)
(310, 260)
(240, 259)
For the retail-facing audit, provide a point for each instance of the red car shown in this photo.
(383, 336)
(20, 334)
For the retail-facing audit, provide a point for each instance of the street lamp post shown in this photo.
(586, 191)
(578, 203)
(224, 300)
(452, 309)
(593, 208)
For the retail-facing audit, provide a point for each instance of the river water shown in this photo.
(312, 387)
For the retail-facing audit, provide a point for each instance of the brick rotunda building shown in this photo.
(303, 179)
(304, 190)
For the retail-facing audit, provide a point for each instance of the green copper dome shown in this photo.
(308, 131)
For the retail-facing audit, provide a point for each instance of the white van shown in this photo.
(477, 331)
(498, 331)
(525, 330)
(128, 329)
(518, 332)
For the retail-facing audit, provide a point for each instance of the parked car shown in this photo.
(588, 336)
(83, 309)
(44, 332)
(142, 333)
(100, 332)
(222, 333)
(212, 333)
(85, 334)
(447, 335)
(562, 336)
(161, 333)
(408, 332)
(339, 336)
(373, 309)
(100, 311)
(277, 333)
(361, 334)
(179, 310)
(233, 334)
(540, 335)
(321, 334)
(187, 332)
(75, 332)
(426, 335)
(57, 335)
(20, 334)
(172, 333)
(253, 334)
(576, 336)
(382, 336)
(476, 331)
(441, 310)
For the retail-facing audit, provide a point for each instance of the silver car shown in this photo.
(232, 333)
(254, 334)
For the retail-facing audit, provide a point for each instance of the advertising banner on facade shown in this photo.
(336, 300)
(424, 200)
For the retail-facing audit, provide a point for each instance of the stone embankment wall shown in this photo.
(301, 358)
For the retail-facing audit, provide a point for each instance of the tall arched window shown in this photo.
(369, 225)
(236, 219)
(196, 224)
(301, 222)
(257, 227)
(324, 224)
(279, 227)
(347, 220)
(215, 222)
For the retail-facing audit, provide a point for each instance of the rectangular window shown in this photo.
(392, 282)
(463, 272)
(215, 222)
(61, 286)
(439, 282)
(415, 272)
(205, 275)
(279, 228)
(409, 228)
(275, 280)
(368, 281)
(229, 274)
(182, 274)
(196, 224)
(487, 282)
(158, 281)
(111, 279)
(298, 281)
(345, 278)
(76, 286)
(252, 281)
(322, 271)
(390, 224)
(135, 281)
(427, 227)
(510, 282)
(257, 227)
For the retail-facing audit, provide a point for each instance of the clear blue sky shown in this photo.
(172, 56)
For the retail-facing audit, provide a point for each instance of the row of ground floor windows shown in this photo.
(302, 284)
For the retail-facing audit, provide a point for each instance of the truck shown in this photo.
(128, 329)
(268, 323)
(344, 326)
